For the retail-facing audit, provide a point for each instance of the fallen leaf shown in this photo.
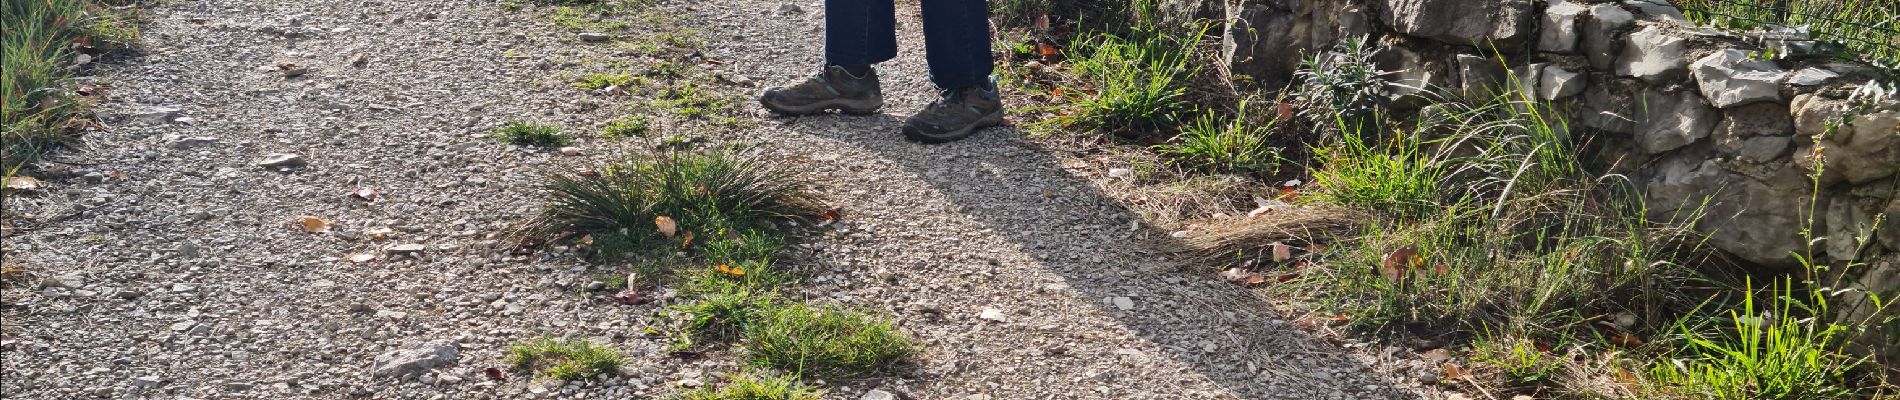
(686, 240)
(313, 224)
(1624, 376)
(362, 258)
(1626, 339)
(729, 270)
(1283, 278)
(494, 374)
(1441, 269)
(1282, 252)
(587, 172)
(1395, 264)
(1048, 51)
(1055, 92)
(831, 215)
(379, 233)
(1436, 355)
(1453, 372)
(365, 194)
(23, 183)
(632, 297)
(1254, 279)
(666, 225)
(1286, 110)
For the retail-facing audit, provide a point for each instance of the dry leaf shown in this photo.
(1395, 264)
(1055, 92)
(365, 194)
(686, 240)
(1254, 279)
(1436, 355)
(1453, 372)
(666, 225)
(313, 224)
(1626, 339)
(729, 270)
(831, 215)
(23, 183)
(379, 233)
(1282, 252)
(494, 374)
(1287, 277)
(1286, 110)
(362, 258)
(632, 297)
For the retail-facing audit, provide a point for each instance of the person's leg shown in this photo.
(858, 33)
(957, 42)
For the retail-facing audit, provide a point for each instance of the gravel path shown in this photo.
(177, 271)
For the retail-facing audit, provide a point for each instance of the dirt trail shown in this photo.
(184, 279)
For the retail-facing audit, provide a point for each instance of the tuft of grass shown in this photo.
(527, 133)
(705, 193)
(568, 360)
(36, 113)
(756, 387)
(826, 342)
(721, 316)
(628, 126)
(1342, 88)
(1766, 353)
(1222, 143)
(1140, 82)
(602, 80)
(1867, 30)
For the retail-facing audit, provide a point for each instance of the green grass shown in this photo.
(1139, 82)
(567, 360)
(1866, 30)
(714, 317)
(628, 126)
(1225, 143)
(528, 133)
(1342, 88)
(1770, 353)
(602, 80)
(36, 111)
(755, 387)
(826, 342)
(704, 193)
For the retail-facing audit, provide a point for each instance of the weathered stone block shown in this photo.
(1562, 27)
(1557, 83)
(1506, 24)
(1730, 78)
(1600, 32)
(1654, 54)
(1670, 120)
(1756, 133)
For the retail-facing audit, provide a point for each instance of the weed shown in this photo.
(35, 112)
(602, 80)
(1521, 360)
(568, 360)
(756, 387)
(720, 316)
(628, 126)
(1342, 85)
(702, 192)
(526, 133)
(1140, 79)
(1218, 142)
(826, 342)
(1867, 30)
(1770, 353)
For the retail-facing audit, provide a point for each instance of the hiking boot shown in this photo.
(832, 89)
(958, 114)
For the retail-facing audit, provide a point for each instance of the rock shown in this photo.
(878, 394)
(182, 326)
(991, 314)
(1658, 10)
(405, 249)
(1757, 133)
(1505, 24)
(594, 37)
(281, 160)
(156, 114)
(790, 9)
(1672, 119)
(1654, 55)
(1729, 78)
(1609, 106)
(66, 280)
(1255, 35)
(1849, 220)
(1812, 76)
(1599, 36)
(1121, 173)
(391, 314)
(1554, 83)
(236, 386)
(359, 60)
(415, 358)
(1412, 75)
(1561, 27)
(1868, 149)
(1480, 77)
(1123, 303)
(1889, 234)
(1813, 114)
(570, 151)
(1759, 221)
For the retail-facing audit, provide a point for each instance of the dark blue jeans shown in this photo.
(956, 37)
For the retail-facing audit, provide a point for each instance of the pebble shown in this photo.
(878, 394)
(594, 37)
(1123, 303)
(281, 160)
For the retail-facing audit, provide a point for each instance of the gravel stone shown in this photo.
(415, 358)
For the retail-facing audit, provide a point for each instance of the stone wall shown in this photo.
(1687, 111)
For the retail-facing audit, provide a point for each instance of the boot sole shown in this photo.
(913, 133)
(848, 106)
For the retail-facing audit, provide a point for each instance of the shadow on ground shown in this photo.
(1023, 193)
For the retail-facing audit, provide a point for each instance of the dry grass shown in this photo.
(1250, 237)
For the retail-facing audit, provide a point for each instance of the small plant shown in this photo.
(702, 192)
(1522, 362)
(602, 80)
(1766, 354)
(1341, 85)
(1141, 82)
(826, 342)
(525, 133)
(1217, 142)
(720, 316)
(756, 387)
(568, 360)
(36, 114)
(628, 126)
